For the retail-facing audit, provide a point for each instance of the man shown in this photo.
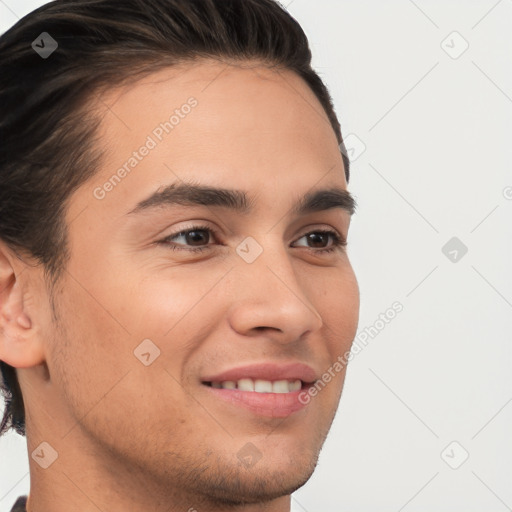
(151, 368)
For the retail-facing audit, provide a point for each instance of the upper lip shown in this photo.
(266, 371)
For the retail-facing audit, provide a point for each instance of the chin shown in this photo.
(245, 486)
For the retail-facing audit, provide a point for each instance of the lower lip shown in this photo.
(272, 405)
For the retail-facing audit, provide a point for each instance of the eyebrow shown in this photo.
(188, 194)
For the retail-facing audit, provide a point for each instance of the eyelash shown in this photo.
(338, 242)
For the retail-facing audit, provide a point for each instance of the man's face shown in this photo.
(260, 291)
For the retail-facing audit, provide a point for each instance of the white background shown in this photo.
(436, 164)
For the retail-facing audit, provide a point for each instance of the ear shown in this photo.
(20, 344)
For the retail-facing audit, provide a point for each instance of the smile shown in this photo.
(271, 399)
(259, 385)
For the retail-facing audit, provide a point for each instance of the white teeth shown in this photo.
(260, 386)
(245, 385)
(263, 386)
(281, 386)
(295, 385)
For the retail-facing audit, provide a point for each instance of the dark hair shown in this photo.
(47, 136)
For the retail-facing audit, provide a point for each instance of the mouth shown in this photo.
(271, 399)
(266, 388)
(260, 385)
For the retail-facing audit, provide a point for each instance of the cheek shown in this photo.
(157, 299)
(336, 298)
(339, 306)
(100, 378)
(91, 349)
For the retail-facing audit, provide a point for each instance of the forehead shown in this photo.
(237, 97)
(249, 126)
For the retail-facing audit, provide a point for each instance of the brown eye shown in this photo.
(194, 239)
(198, 236)
(321, 237)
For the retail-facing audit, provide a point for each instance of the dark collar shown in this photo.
(20, 505)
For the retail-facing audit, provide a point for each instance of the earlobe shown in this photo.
(20, 345)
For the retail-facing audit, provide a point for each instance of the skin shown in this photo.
(133, 437)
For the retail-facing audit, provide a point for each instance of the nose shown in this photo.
(270, 297)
